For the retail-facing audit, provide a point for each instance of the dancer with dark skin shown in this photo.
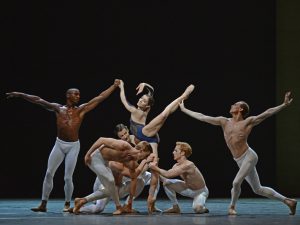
(236, 132)
(68, 121)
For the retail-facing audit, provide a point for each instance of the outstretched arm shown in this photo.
(255, 120)
(199, 116)
(35, 99)
(86, 107)
(128, 106)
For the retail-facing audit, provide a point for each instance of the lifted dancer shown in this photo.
(149, 132)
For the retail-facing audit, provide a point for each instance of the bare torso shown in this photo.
(121, 156)
(68, 121)
(236, 135)
(191, 175)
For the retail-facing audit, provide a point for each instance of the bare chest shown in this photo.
(69, 117)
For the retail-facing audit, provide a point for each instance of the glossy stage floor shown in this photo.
(251, 211)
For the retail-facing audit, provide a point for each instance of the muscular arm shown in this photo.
(35, 99)
(114, 144)
(171, 173)
(118, 145)
(128, 106)
(199, 116)
(86, 107)
(255, 120)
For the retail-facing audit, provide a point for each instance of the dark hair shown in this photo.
(119, 128)
(245, 108)
(150, 99)
(71, 90)
(147, 147)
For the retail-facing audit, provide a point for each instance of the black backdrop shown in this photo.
(225, 48)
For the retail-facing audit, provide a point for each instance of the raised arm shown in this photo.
(35, 99)
(86, 107)
(128, 106)
(141, 87)
(255, 120)
(199, 116)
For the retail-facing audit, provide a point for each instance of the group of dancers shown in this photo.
(123, 166)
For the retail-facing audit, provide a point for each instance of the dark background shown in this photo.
(226, 48)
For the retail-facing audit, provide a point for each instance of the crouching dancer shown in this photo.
(193, 184)
(97, 159)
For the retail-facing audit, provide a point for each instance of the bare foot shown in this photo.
(129, 209)
(119, 211)
(66, 207)
(231, 211)
(201, 209)
(78, 203)
(39, 209)
(187, 92)
(175, 209)
(292, 204)
(70, 210)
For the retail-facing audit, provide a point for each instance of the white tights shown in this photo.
(173, 186)
(61, 150)
(247, 163)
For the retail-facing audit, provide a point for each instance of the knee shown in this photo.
(166, 183)
(68, 179)
(111, 181)
(257, 190)
(49, 175)
(236, 184)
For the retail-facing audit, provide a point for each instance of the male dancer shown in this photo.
(68, 120)
(236, 131)
(97, 158)
(193, 184)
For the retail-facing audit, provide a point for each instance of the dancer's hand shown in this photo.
(140, 88)
(87, 160)
(181, 105)
(12, 94)
(287, 98)
(121, 84)
(117, 82)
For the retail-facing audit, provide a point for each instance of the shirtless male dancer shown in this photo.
(68, 120)
(121, 175)
(98, 157)
(236, 131)
(193, 184)
(149, 132)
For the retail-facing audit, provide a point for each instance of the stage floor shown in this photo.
(251, 211)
